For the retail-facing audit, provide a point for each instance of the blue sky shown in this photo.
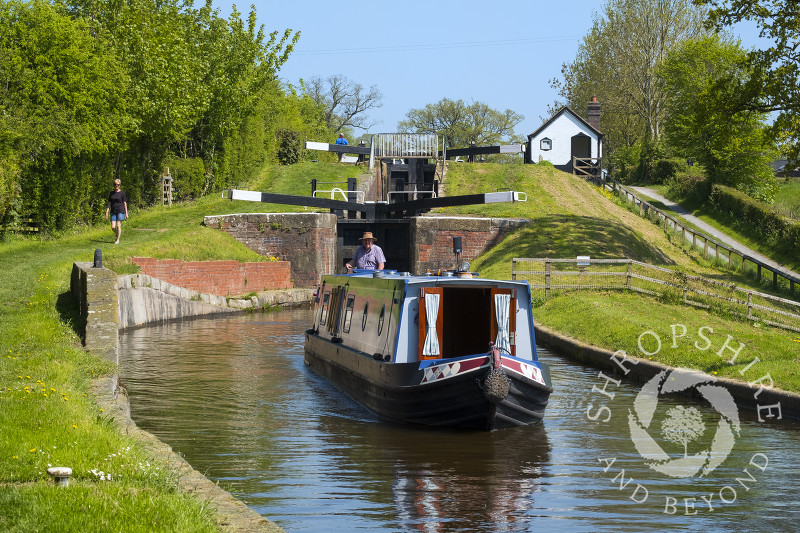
(418, 52)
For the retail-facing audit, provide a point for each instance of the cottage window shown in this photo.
(546, 144)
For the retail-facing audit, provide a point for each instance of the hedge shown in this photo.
(777, 229)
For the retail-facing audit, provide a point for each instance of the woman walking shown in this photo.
(118, 208)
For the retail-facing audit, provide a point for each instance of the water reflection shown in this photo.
(233, 396)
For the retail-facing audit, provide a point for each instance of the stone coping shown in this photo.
(230, 514)
(765, 401)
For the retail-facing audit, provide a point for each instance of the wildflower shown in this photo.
(102, 410)
(32, 450)
(75, 426)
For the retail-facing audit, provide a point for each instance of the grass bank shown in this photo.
(47, 415)
(644, 327)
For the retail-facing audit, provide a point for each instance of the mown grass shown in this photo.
(47, 415)
(787, 201)
(617, 320)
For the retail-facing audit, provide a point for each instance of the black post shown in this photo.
(98, 258)
(351, 195)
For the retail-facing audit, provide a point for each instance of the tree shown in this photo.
(683, 426)
(62, 111)
(703, 78)
(774, 71)
(345, 102)
(462, 124)
(616, 62)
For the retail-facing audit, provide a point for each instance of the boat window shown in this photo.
(364, 318)
(348, 313)
(380, 319)
(326, 299)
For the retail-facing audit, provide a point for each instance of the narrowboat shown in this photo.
(440, 350)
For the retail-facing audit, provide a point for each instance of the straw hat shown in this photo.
(368, 235)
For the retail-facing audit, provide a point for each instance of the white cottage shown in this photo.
(566, 135)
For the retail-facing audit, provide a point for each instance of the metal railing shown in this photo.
(344, 194)
(550, 277)
(406, 145)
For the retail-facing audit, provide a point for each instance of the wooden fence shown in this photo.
(549, 277)
(780, 277)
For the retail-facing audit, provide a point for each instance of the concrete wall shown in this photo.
(432, 239)
(224, 278)
(306, 240)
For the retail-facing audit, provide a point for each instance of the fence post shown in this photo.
(546, 278)
(774, 280)
(705, 248)
(758, 274)
(628, 275)
(694, 241)
(749, 305)
(514, 269)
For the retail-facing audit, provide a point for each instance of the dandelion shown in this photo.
(102, 410)
(32, 450)
(75, 426)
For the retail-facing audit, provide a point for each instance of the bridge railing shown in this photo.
(549, 277)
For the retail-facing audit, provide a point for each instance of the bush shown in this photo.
(188, 177)
(688, 187)
(289, 150)
(667, 169)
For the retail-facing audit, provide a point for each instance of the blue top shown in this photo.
(341, 140)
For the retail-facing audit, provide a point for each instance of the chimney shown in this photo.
(594, 113)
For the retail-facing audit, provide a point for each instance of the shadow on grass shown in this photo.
(567, 236)
(69, 312)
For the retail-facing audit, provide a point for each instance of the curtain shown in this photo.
(501, 312)
(431, 347)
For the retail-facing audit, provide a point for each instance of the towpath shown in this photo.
(715, 233)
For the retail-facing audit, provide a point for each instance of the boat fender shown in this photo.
(495, 385)
(336, 340)
(377, 356)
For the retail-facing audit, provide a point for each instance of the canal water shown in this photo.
(233, 396)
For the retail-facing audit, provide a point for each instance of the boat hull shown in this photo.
(450, 393)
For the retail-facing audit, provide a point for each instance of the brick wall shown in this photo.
(306, 240)
(222, 278)
(432, 246)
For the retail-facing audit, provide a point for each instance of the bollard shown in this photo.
(61, 475)
(98, 258)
